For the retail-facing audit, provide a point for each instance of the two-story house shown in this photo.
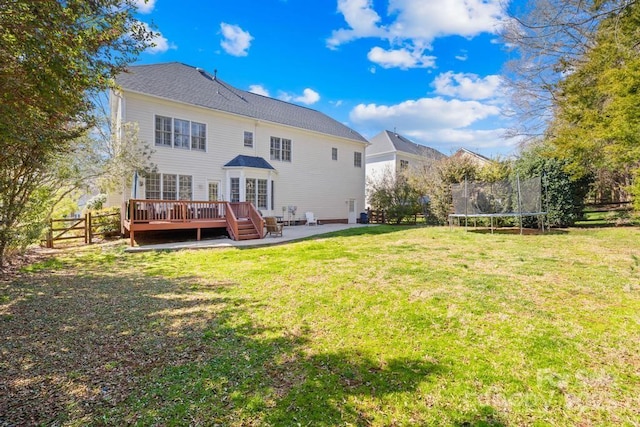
(212, 141)
(392, 153)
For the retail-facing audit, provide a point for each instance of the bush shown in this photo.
(106, 222)
(562, 196)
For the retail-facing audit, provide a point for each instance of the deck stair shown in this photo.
(246, 230)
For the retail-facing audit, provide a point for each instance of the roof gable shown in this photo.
(190, 85)
(387, 141)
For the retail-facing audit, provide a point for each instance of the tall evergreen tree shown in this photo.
(54, 56)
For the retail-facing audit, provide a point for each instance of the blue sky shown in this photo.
(428, 69)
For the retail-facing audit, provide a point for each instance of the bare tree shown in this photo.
(548, 41)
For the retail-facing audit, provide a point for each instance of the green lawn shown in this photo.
(384, 326)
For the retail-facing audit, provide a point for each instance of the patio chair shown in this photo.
(311, 220)
(272, 225)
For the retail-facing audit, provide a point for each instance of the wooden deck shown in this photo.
(241, 220)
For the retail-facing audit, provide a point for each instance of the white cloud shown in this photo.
(416, 24)
(144, 6)
(426, 20)
(160, 44)
(468, 138)
(438, 122)
(463, 56)
(308, 97)
(425, 113)
(235, 40)
(400, 58)
(467, 86)
(259, 90)
(362, 20)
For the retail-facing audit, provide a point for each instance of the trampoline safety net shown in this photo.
(498, 199)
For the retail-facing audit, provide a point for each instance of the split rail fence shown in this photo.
(85, 228)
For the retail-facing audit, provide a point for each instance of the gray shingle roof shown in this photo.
(249, 162)
(402, 144)
(191, 85)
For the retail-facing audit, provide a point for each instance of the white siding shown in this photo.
(312, 181)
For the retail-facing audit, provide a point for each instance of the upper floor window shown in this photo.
(248, 139)
(334, 153)
(280, 149)
(198, 136)
(163, 130)
(275, 148)
(357, 159)
(286, 150)
(404, 164)
(180, 133)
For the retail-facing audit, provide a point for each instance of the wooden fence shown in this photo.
(85, 228)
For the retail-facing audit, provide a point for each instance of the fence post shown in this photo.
(86, 226)
(89, 225)
(50, 235)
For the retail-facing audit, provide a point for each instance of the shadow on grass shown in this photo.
(101, 349)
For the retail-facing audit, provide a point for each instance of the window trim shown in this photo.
(166, 131)
(196, 139)
(280, 149)
(357, 159)
(162, 180)
(248, 139)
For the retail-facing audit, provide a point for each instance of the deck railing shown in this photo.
(145, 210)
(146, 214)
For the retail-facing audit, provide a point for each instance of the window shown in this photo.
(198, 136)
(357, 159)
(262, 194)
(250, 190)
(181, 133)
(152, 186)
(256, 192)
(168, 187)
(404, 164)
(248, 139)
(235, 190)
(286, 150)
(280, 149)
(275, 148)
(163, 131)
(185, 185)
(334, 153)
(213, 191)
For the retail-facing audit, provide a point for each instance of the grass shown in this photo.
(375, 326)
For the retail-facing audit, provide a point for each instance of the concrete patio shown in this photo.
(290, 233)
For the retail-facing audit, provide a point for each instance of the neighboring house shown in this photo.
(391, 152)
(478, 159)
(212, 141)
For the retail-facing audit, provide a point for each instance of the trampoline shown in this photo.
(501, 199)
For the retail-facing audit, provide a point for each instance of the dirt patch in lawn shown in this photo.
(76, 344)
